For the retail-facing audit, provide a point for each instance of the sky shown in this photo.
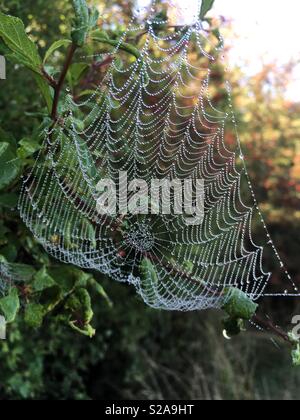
(267, 31)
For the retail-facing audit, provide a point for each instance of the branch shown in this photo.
(60, 83)
(52, 82)
(270, 326)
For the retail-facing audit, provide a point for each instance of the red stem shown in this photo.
(269, 326)
(60, 83)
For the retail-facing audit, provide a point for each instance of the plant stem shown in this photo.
(270, 326)
(52, 82)
(60, 83)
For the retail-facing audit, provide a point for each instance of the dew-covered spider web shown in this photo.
(161, 111)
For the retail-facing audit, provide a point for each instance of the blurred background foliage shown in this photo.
(137, 352)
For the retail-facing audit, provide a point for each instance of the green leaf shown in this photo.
(150, 279)
(238, 305)
(80, 307)
(124, 46)
(9, 165)
(87, 161)
(94, 16)
(3, 232)
(34, 315)
(86, 330)
(46, 91)
(6, 137)
(9, 200)
(28, 148)
(22, 49)
(42, 281)
(85, 19)
(23, 271)
(100, 290)
(206, 7)
(10, 252)
(4, 50)
(296, 356)
(65, 277)
(75, 73)
(148, 269)
(56, 46)
(50, 298)
(295, 341)
(10, 305)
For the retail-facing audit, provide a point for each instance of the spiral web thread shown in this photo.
(156, 116)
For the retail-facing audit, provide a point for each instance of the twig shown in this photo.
(270, 326)
(60, 83)
(52, 82)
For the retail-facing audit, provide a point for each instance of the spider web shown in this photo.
(157, 114)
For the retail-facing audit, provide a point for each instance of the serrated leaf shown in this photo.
(94, 16)
(85, 19)
(10, 305)
(22, 49)
(206, 6)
